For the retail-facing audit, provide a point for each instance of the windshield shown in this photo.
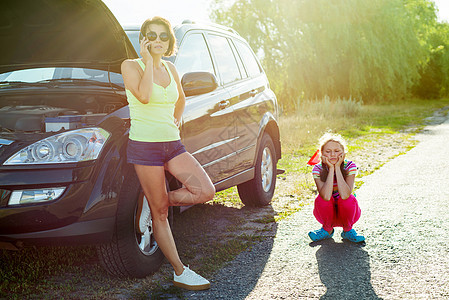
(44, 74)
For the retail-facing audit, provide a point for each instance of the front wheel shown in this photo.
(133, 251)
(259, 191)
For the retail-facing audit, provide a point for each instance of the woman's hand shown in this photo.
(341, 159)
(145, 51)
(177, 122)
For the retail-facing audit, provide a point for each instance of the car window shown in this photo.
(194, 55)
(133, 36)
(224, 56)
(239, 62)
(252, 67)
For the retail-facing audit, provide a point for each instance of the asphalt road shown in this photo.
(405, 211)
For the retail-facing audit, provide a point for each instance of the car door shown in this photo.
(234, 79)
(252, 101)
(246, 83)
(208, 129)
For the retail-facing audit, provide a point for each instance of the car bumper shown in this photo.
(83, 214)
(88, 232)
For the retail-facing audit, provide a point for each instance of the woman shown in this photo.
(156, 102)
(335, 206)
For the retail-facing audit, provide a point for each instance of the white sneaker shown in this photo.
(144, 217)
(190, 280)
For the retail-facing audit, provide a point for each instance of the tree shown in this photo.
(434, 38)
(434, 79)
(365, 49)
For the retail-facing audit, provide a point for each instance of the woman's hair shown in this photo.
(164, 22)
(332, 137)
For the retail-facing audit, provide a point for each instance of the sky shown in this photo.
(443, 7)
(134, 12)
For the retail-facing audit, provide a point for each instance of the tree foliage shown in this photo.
(364, 49)
(434, 36)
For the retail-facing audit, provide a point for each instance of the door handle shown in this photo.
(253, 93)
(223, 104)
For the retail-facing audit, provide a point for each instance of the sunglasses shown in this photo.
(152, 36)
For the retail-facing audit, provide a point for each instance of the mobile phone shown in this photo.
(141, 38)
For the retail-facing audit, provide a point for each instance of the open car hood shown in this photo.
(61, 33)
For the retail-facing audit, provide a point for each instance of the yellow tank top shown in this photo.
(154, 121)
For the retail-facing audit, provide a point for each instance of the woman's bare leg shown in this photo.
(197, 186)
(152, 180)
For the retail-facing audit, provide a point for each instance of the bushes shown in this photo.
(325, 108)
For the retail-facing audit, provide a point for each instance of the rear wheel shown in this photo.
(133, 251)
(259, 191)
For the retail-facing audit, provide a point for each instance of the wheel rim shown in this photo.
(266, 169)
(144, 229)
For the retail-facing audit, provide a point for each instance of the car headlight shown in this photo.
(68, 147)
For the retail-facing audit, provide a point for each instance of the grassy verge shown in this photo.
(375, 134)
(209, 235)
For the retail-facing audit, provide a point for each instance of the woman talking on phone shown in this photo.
(156, 103)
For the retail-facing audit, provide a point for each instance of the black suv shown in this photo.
(64, 125)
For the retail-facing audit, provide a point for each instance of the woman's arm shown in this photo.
(141, 85)
(181, 102)
(325, 189)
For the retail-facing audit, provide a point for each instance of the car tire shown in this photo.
(259, 191)
(129, 254)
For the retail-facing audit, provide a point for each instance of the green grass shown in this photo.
(229, 197)
(361, 127)
(53, 270)
(265, 220)
(302, 130)
(223, 252)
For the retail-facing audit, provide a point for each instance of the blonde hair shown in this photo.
(332, 137)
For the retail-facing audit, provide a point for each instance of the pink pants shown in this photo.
(344, 214)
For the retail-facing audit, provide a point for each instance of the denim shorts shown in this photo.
(153, 153)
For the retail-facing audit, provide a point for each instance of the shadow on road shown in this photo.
(226, 235)
(207, 236)
(344, 269)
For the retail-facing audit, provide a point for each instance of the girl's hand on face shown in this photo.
(326, 161)
(341, 159)
(145, 51)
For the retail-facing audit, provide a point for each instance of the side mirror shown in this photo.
(197, 83)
